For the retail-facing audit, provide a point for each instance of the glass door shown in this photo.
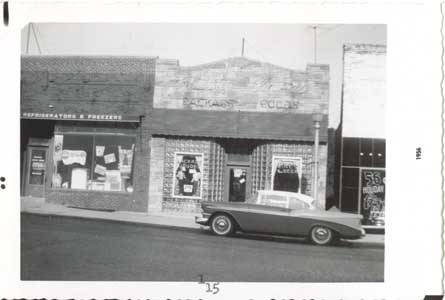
(237, 183)
(36, 172)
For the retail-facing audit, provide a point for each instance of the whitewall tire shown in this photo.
(321, 235)
(222, 225)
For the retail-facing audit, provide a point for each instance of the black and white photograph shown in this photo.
(213, 150)
(256, 161)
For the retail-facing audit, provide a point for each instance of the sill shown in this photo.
(90, 191)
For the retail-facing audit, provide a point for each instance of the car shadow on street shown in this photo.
(293, 240)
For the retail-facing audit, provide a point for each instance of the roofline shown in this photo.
(240, 57)
(87, 56)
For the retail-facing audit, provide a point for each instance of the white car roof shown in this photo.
(302, 197)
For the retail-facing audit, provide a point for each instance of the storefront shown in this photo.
(363, 179)
(361, 134)
(223, 130)
(84, 134)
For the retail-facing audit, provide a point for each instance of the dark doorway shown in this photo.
(237, 183)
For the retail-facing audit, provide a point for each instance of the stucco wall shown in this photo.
(241, 84)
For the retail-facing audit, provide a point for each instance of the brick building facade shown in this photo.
(84, 130)
(138, 133)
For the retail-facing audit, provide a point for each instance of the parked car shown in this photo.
(281, 213)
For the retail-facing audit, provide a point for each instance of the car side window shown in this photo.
(297, 204)
(274, 200)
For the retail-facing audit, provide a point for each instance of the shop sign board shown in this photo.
(79, 117)
(372, 196)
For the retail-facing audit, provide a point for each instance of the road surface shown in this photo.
(61, 248)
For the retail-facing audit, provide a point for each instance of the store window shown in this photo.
(93, 162)
(379, 153)
(366, 152)
(351, 151)
(286, 172)
(187, 175)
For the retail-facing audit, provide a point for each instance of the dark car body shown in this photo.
(282, 213)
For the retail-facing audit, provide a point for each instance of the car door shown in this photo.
(268, 215)
(298, 222)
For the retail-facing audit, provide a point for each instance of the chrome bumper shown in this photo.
(363, 233)
(201, 220)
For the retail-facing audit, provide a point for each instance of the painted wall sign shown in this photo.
(372, 195)
(75, 116)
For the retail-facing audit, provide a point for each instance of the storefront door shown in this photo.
(35, 171)
(237, 183)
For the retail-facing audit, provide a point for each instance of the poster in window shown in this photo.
(70, 157)
(37, 170)
(286, 173)
(113, 181)
(79, 178)
(188, 175)
(58, 147)
(372, 195)
(125, 159)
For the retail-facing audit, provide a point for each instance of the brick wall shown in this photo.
(87, 85)
(241, 84)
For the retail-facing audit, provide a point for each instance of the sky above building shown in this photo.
(287, 45)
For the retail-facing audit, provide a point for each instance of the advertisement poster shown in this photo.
(37, 167)
(372, 195)
(99, 169)
(74, 156)
(125, 159)
(110, 158)
(113, 180)
(286, 174)
(58, 146)
(187, 175)
(79, 177)
(100, 151)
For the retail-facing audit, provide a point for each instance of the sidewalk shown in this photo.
(184, 221)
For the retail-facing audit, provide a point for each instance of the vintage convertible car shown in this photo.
(280, 213)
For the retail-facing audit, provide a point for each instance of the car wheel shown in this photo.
(222, 225)
(321, 235)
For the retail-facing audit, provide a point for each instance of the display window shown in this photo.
(286, 173)
(93, 162)
(188, 175)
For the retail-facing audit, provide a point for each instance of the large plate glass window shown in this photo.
(286, 173)
(93, 162)
(372, 195)
(188, 175)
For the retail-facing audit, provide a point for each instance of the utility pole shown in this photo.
(316, 118)
(27, 38)
(31, 27)
(242, 48)
(315, 43)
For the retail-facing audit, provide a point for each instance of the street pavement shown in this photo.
(65, 248)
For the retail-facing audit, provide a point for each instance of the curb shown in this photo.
(175, 227)
(344, 243)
